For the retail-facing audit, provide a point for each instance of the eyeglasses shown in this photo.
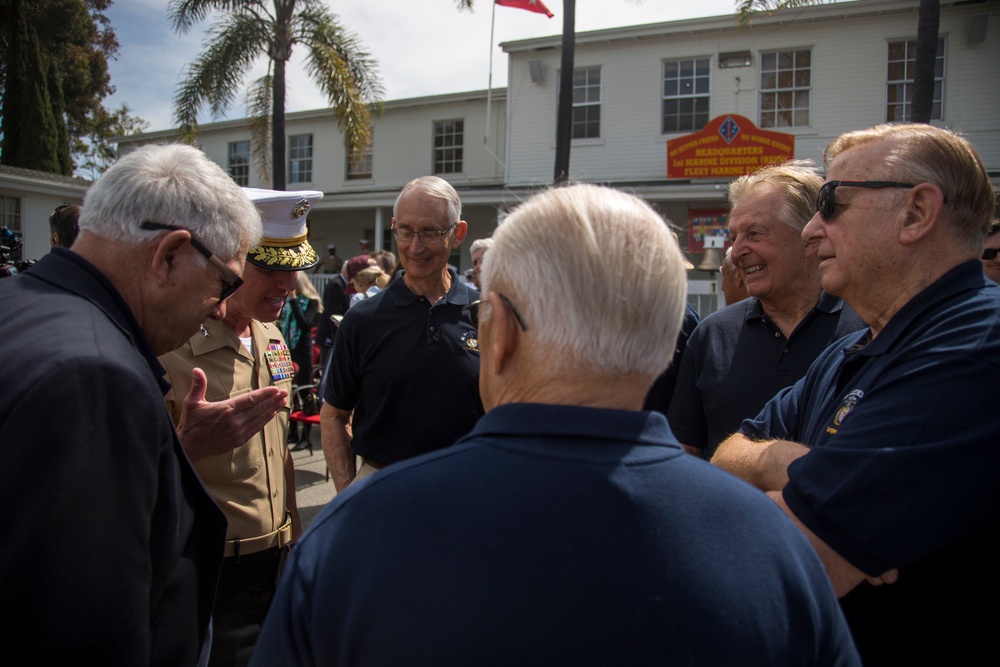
(825, 202)
(473, 309)
(990, 253)
(230, 281)
(427, 236)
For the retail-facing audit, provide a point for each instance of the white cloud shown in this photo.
(424, 47)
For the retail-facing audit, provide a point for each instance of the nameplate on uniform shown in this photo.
(279, 360)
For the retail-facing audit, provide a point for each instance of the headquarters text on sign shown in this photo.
(728, 146)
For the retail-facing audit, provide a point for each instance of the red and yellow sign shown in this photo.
(728, 147)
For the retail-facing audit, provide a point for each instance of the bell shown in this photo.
(711, 260)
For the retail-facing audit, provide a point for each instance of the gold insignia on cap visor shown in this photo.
(301, 208)
(283, 216)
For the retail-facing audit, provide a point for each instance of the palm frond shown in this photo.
(746, 10)
(183, 14)
(464, 4)
(216, 75)
(259, 97)
(344, 71)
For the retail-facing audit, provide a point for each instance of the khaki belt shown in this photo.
(251, 545)
(371, 464)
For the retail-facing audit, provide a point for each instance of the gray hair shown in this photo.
(438, 188)
(597, 275)
(171, 184)
(919, 153)
(481, 244)
(799, 184)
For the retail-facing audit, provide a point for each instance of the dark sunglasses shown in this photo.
(230, 281)
(825, 202)
(991, 253)
(473, 309)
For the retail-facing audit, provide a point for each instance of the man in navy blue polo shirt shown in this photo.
(885, 453)
(561, 530)
(741, 356)
(404, 370)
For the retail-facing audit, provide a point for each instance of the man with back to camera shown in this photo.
(403, 374)
(115, 555)
(560, 530)
(742, 355)
(246, 465)
(895, 478)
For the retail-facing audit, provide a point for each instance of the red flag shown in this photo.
(530, 5)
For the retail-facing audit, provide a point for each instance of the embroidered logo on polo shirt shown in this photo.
(470, 339)
(850, 401)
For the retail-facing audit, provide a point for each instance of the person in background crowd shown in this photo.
(298, 317)
(386, 261)
(113, 549)
(741, 356)
(230, 401)
(885, 454)
(508, 547)
(412, 340)
(64, 225)
(332, 263)
(734, 286)
(368, 282)
(478, 250)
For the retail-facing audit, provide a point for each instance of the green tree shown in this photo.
(248, 29)
(928, 22)
(100, 152)
(77, 38)
(31, 133)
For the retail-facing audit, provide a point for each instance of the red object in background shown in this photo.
(530, 5)
(704, 222)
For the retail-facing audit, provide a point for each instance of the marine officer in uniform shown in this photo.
(230, 401)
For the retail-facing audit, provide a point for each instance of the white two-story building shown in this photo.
(812, 73)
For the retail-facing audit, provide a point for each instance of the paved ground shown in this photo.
(313, 491)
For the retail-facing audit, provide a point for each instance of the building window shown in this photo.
(10, 217)
(685, 94)
(300, 163)
(785, 84)
(900, 65)
(359, 165)
(239, 162)
(587, 103)
(448, 139)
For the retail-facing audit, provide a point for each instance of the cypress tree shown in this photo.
(66, 165)
(29, 126)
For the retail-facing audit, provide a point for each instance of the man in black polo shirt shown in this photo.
(885, 454)
(741, 356)
(403, 377)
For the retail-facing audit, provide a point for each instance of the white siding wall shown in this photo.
(848, 89)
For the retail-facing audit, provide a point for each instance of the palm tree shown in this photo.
(248, 29)
(928, 21)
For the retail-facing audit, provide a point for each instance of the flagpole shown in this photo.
(489, 94)
(489, 86)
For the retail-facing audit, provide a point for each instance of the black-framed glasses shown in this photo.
(825, 202)
(230, 281)
(990, 253)
(426, 236)
(473, 309)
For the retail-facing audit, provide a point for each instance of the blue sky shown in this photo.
(423, 47)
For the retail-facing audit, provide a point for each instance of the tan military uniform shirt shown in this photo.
(248, 483)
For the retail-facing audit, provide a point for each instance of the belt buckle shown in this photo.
(285, 534)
